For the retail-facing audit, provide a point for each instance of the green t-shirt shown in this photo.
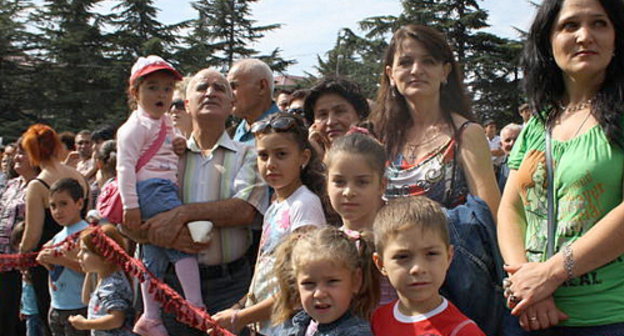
(588, 184)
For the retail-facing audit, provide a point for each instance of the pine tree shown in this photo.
(15, 91)
(490, 63)
(135, 32)
(357, 58)
(73, 91)
(226, 26)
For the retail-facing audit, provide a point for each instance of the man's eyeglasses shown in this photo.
(178, 104)
(282, 124)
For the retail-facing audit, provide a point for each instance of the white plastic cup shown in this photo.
(200, 231)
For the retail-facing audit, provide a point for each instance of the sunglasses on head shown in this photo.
(178, 104)
(297, 111)
(281, 124)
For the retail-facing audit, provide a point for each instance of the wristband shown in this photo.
(568, 261)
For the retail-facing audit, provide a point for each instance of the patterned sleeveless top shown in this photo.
(437, 175)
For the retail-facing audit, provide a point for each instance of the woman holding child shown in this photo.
(423, 117)
(565, 260)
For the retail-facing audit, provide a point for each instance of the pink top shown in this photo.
(134, 137)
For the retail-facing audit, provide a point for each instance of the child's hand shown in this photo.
(132, 218)
(228, 320)
(78, 322)
(179, 145)
(69, 253)
(46, 258)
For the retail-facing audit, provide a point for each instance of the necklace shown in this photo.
(571, 108)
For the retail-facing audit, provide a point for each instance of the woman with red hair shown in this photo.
(43, 147)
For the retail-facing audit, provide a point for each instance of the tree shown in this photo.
(357, 58)
(226, 26)
(135, 32)
(490, 63)
(75, 90)
(14, 67)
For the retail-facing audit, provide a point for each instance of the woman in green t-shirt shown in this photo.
(574, 73)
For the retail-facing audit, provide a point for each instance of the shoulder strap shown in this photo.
(552, 215)
(43, 182)
(151, 151)
(458, 133)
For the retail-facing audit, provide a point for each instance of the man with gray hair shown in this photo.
(219, 182)
(508, 136)
(252, 84)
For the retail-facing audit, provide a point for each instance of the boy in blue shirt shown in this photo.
(66, 277)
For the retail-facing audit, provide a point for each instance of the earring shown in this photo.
(444, 81)
(303, 166)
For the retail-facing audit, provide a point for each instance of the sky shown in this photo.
(309, 27)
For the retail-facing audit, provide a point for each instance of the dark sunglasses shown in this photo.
(281, 124)
(297, 111)
(177, 104)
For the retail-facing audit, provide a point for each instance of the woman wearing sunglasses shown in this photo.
(180, 117)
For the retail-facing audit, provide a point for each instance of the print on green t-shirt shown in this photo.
(588, 184)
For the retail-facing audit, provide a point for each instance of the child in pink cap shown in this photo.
(152, 188)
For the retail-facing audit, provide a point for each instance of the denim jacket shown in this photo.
(473, 282)
(347, 325)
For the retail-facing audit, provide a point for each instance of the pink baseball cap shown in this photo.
(146, 65)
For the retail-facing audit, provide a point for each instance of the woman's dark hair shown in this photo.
(543, 79)
(299, 94)
(68, 139)
(342, 87)
(108, 155)
(103, 133)
(391, 116)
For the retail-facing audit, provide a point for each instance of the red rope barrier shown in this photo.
(10, 262)
(170, 300)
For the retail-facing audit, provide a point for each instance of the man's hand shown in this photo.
(132, 218)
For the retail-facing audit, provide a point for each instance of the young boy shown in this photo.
(413, 251)
(66, 277)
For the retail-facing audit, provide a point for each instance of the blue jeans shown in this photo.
(34, 325)
(222, 286)
(156, 196)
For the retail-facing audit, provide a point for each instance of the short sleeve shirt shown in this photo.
(588, 178)
(113, 294)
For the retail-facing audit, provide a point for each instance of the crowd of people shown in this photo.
(324, 213)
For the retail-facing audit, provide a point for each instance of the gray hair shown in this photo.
(260, 69)
(511, 127)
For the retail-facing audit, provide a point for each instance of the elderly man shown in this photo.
(508, 136)
(252, 83)
(218, 182)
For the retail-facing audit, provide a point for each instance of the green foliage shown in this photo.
(223, 32)
(64, 64)
(490, 63)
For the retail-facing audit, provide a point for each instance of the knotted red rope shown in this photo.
(170, 300)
